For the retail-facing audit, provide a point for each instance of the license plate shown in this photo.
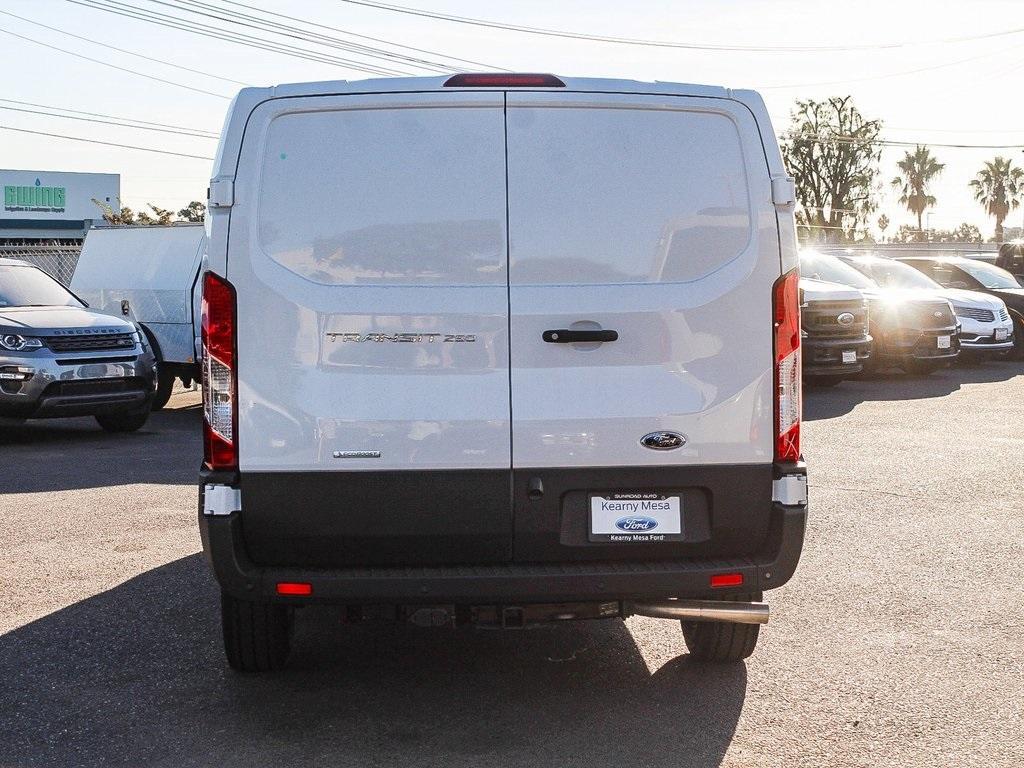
(1002, 334)
(636, 517)
(943, 342)
(849, 357)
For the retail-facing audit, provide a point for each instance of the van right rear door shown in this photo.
(646, 221)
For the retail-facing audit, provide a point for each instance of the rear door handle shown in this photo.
(566, 336)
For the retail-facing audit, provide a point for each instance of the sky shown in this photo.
(908, 66)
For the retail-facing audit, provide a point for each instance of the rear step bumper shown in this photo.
(506, 583)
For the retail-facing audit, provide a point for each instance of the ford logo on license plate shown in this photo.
(636, 524)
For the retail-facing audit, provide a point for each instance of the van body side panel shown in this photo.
(649, 216)
(368, 251)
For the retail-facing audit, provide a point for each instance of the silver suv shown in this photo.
(59, 358)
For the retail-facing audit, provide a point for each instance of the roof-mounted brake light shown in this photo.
(502, 80)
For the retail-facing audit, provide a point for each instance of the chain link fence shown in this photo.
(57, 260)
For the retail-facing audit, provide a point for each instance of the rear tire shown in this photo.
(123, 422)
(164, 388)
(719, 641)
(257, 636)
(1017, 353)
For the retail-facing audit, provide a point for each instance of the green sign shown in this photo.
(34, 197)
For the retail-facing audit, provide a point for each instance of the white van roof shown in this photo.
(405, 84)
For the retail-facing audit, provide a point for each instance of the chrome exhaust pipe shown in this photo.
(702, 610)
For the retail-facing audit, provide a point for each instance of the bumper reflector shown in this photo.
(727, 580)
(294, 588)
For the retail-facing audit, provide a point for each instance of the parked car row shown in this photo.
(867, 312)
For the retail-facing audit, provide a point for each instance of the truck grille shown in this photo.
(927, 315)
(981, 315)
(821, 319)
(89, 342)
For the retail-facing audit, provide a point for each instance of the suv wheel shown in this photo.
(721, 641)
(164, 388)
(257, 636)
(123, 422)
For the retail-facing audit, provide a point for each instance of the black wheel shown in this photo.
(164, 387)
(720, 641)
(823, 381)
(257, 636)
(123, 422)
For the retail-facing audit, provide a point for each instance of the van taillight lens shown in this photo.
(220, 422)
(786, 306)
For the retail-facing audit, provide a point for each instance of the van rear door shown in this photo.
(646, 219)
(368, 250)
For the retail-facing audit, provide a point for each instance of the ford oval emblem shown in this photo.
(663, 441)
(636, 524)
(846, 318)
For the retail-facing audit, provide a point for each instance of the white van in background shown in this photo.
(149, 274)
(500, 349)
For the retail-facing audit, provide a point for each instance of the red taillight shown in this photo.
(786, 306)
(220, 412)
(502, 80)
(727, 580)
(294, 588)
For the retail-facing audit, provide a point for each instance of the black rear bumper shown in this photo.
(509, 583)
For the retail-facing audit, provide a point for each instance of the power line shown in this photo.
(108, 122)
(317, 38)
(663, 43)
(825, 139)
(197, 131)
(113, 66)
(890, 74)
(364, 37)
(123, 50)
(104, 143)
(251, 41)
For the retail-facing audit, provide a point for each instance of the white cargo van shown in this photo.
(150, 275)
(500, 349)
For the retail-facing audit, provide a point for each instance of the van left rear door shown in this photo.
(368, 251)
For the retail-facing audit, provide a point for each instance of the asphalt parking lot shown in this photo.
(899, 641)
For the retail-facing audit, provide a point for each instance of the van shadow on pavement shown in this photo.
(829, 402)
(136, 676)
(68, 454)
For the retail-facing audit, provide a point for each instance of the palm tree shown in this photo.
(917, 171)
(998, 187)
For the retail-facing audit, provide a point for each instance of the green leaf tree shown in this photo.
(194, 211)
(998, 186)
(917, 170)
(883, 224)
(832, 151)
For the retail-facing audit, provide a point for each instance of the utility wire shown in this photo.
(664, 43)
(251, 41)
(113, 66)
(826, 139)
(121, 120)
(317, 38)
(364, 37)
(104, 143)
(108, 122)
(122, 50)
(888, 75)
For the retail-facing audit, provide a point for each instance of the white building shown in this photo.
(46, 206)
